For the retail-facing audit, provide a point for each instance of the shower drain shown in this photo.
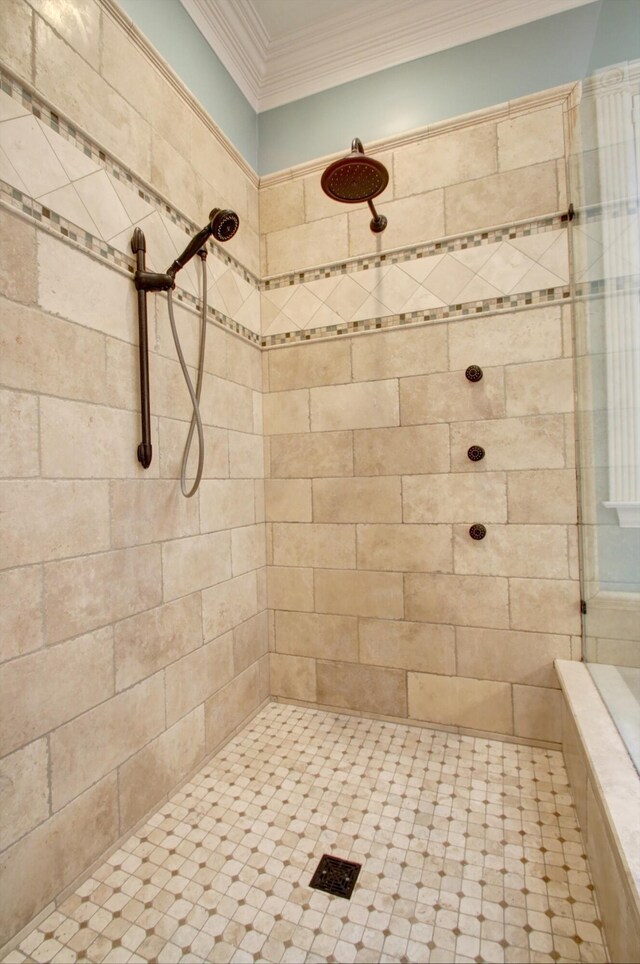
(335, 876)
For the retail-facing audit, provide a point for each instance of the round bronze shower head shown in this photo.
(355, 178)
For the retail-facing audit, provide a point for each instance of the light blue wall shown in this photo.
(175, 36)
(520, 61)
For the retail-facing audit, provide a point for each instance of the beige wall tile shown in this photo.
(105, 301)
(45, 861)
(314, 545)
(545, 605)
(312, 456)
(88, 747)
(374, 594)
(226, 404)
(455, 498)
(250, 641)
(16, 44)
(42, 520)
(226, 504)
(510, 656)
(366, 405)
(248, 548)
(24, 791)
(456, 701)
(408, 223)
(317, 635)
(357, 500)
(513, 550)
(368, 689)
(531, 442)
(67, 81)
(286, 412)
(288, 500)
(407, 645)
(293, 677)
(172, 175)
(290, 588)
(405, 548)
(501, 198)
(231, 706)
(195, 563)
(17, 278)
(149, 641)
(451, 397)
(542, 496)
(519, 336)
(305, 366)
(243, 362)
(35, 352)
(575, 763)
(530, 138)
(537, 713)
(21, 624)
(91, 441)
(540, 387)
(246, 456)
(410, 450)
(460, 600)
(79, 26)
(19, 439)
(74, 596)
(45, 689)
(446, 158)
(306, 245)
(281, 206)
(148, 510)
(392, 354)
(153, 772)
(228, 604)
(196, 677)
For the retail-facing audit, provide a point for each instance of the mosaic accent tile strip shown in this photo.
(470, 851)
(99, 159)
(55, 223)
(448, 312)
(440, 246)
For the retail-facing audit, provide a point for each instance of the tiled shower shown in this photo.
(201, 697)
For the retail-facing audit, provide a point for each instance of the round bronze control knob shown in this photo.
(473, 373)
(477, 531)
(475, 453)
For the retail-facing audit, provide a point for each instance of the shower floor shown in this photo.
(470, 851)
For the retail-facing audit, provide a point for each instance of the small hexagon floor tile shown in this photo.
(470, 852)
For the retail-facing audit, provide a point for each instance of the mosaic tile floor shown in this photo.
(470, 851)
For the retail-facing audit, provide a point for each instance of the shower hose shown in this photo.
(196, 420)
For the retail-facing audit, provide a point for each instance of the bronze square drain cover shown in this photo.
(336, 876)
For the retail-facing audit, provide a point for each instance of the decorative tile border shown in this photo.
(441, 246)
(42, 112)
(448, 313)
(56, 224)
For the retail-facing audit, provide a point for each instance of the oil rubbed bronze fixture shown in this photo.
(357, 178)
(222, 226)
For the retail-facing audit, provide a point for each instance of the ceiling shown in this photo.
(281, 50)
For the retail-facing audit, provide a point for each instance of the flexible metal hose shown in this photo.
(196, 420)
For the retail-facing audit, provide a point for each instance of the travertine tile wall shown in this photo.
(381, 602)
(134, 631)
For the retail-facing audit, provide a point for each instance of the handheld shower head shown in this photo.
(222, 226)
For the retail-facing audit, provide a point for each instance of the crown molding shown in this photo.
(563, 96)
(272, 71)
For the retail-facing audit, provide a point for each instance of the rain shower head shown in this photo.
(357, 178)
(222, 226)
